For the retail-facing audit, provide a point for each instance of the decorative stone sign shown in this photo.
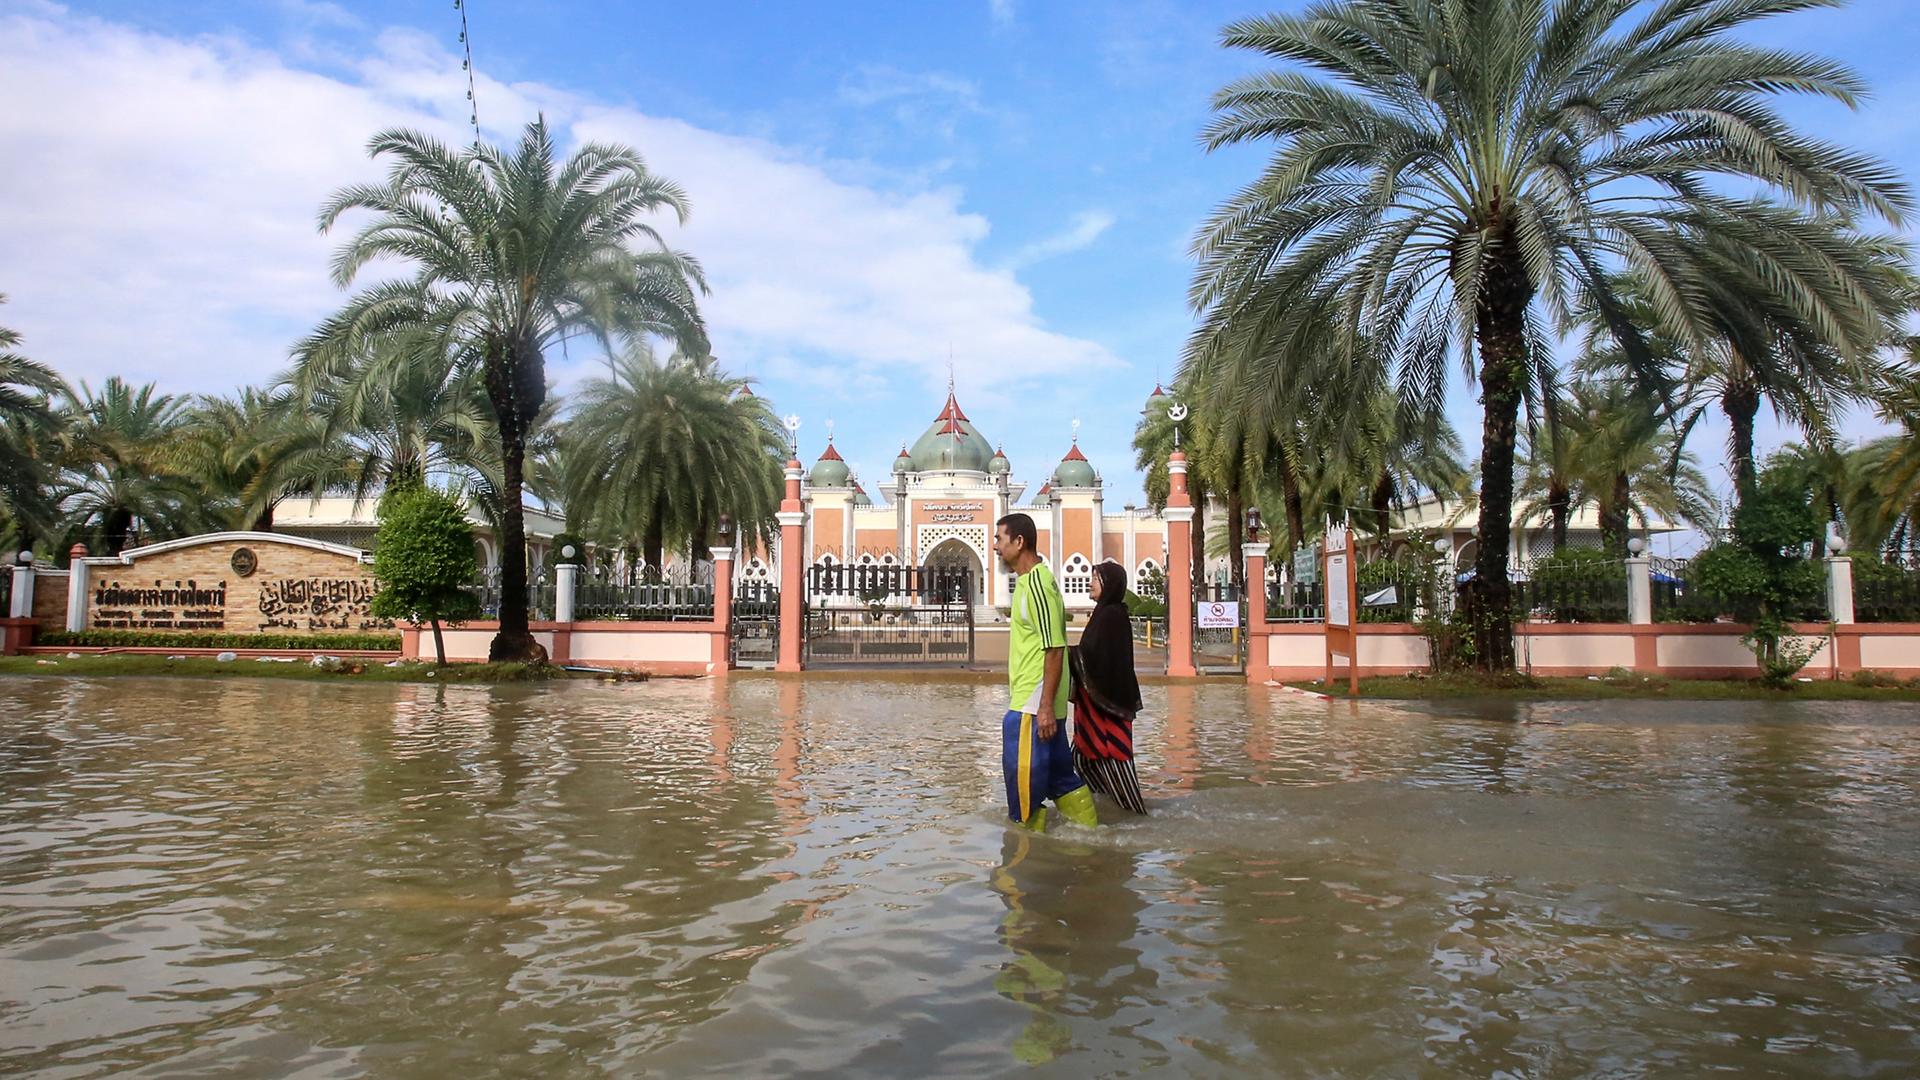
(236, 583)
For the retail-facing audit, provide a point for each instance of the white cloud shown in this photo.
(159, 199)
(1081, 232)
(1001, 10)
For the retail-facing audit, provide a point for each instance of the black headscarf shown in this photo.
(1103, 661)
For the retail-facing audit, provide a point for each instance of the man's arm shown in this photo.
(1044, 721)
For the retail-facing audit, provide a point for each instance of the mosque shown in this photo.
(939, 506)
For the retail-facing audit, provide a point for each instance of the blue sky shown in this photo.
(873, 185)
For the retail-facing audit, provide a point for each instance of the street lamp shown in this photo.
(726, 530)
(1253, 524)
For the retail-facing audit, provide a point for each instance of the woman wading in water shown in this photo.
(1106, 695)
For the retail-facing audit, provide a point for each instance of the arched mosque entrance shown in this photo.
(953, 556)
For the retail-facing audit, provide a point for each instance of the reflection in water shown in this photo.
(771, 876)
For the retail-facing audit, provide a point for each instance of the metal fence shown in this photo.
(1682, 593)
(539, 598)
(1586, 590)
(1885, 592)
(643, 603)
(1296, 601)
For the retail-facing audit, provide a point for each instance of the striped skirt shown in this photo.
(1103, 754)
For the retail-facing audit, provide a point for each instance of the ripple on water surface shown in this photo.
(774, 876)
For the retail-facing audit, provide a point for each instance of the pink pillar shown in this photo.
(723, 608)
(793, 565)
(1256, 556)
(1179, 515)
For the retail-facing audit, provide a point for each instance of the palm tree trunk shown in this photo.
(515, 388)
(1199, 568)
(1295, 506)
(1613, 517)
(1502, 333)
(1236, 518)
(1741, 403)
(1560, 507)
(655, 543)
(439, 646)
(264, 523)
(118, 528)
(1381, 503)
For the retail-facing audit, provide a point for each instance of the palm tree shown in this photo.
(406, 408)
(1463, 169)
(511, 255)
(1806, 349)
(658, 453)
(27, 425)
(249, 452)
(1617, 450)
(1547, 468)
(1881, 496)
(115, 485)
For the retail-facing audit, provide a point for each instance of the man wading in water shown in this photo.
(1034, 751)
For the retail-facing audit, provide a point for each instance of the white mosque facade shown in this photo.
(939, 505)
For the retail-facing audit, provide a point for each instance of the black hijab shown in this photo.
(1103, 661)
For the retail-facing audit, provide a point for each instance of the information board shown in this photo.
(1338, 614)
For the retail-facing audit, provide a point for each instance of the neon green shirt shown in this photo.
(1039, 624)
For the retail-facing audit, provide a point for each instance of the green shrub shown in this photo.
(174, 639)
(1145, 607)
(1726, 579)
(424, 560)
(1412, 583)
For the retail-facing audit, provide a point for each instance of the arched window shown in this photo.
(1076, 577)
(1149, 581)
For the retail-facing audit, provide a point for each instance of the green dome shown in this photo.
(903, 463)
(951, 443)
(998, 465)
(1044, 497)
(830, 471)
(1074, 471)
(1155, 400)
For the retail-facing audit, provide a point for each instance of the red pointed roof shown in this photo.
(950, 417)
(903, 451)
(831, 454)
(1073, 453)
(1157, 392)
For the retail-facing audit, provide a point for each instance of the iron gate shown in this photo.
(1219, 649)
(754, 640)
(888, 615)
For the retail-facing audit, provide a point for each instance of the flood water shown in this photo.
(770, 877)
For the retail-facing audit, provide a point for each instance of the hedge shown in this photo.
(169, 639)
